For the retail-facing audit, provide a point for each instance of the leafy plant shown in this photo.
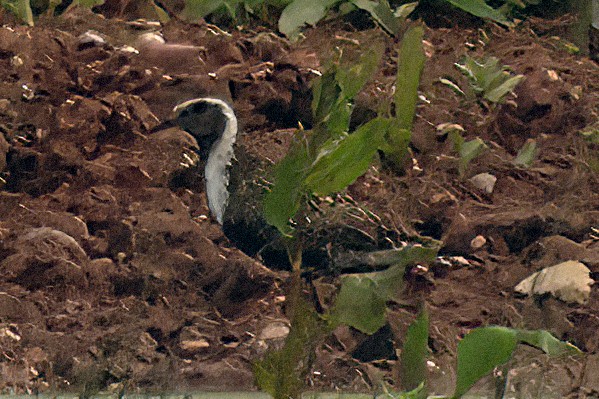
(467, 150)
(327, 159)
(481, 9)
(488, 79)
(315, 154)
(281, 373)
(21, 8)
(481, 351)
(527, 154)
(308, 12)
(235, 10)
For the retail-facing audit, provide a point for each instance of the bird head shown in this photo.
(213, 124)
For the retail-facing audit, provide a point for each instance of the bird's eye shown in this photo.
(184, 113)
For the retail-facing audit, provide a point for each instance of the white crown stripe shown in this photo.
(219, 158)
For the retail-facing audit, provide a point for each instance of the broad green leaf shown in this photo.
(282, 202)
(196, 9)
(546, 342)
(347, 158)
(381, 12)
(303, 12)
(412, 368)
(467, 150)
(479, 352)
(485, 348)
(396, 145)
(351, 79)
(527, 153)
(326, 93)
(409, 67)
(337, 122)
(361, 301)
(359, 304)
(496, 94)
(404, 10)
(232, 7)
(470, 150)
(456, 138)
(481, 9)
(21, 8)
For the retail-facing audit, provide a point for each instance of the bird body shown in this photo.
(214, 125)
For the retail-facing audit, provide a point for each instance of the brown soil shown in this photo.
(113, 276)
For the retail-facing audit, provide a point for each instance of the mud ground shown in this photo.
(113, 275)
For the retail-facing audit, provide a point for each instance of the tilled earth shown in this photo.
(113, 275)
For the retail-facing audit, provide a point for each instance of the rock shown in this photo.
(568, 281)
(274, 330)
(478, 242)
(484, 182)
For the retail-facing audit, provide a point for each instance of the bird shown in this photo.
(213, 124)
(235, 197)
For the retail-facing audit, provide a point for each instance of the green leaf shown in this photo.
(303, 12)
(412, 368)
(546, 342)
(409, 67)
(417, 393)
(90, 3)
(361, 301)
(345, 159)
(470, 150)
(479, 352)
(453, 86)
(497, 93)
(485, 348)
(406, 9)
(527, 153)
(196, 9)
(382, 14)
(326, 93)
(337, 121)
(21, 8)
(481, 9)
(162, 15)
(396, 145)
(351, 79)
(282, 202)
